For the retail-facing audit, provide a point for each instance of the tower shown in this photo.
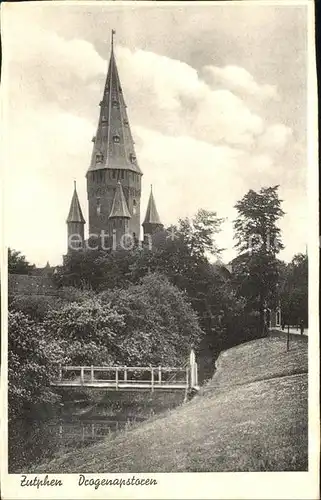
(152, 223)
(75, 224)
(113, 160)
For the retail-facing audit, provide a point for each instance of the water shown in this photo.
(33, 441)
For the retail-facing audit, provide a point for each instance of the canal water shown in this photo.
(74, 425)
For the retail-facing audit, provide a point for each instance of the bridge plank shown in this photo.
(120, 385)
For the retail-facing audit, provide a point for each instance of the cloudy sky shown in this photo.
(216, 98)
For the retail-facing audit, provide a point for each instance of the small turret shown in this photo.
(75, 223)
(152, 223)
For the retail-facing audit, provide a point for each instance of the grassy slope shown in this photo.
(251, 416)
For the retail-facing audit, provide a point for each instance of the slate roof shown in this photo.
(119, 207)
(151, 216)
(75, 213)
(113, 144)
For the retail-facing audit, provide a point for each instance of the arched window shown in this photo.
(132, 158)
(116, 139)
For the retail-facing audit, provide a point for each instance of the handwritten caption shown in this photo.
(83, 480)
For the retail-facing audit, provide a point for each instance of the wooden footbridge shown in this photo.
(130, 378)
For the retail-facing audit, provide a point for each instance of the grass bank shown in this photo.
(251, 416)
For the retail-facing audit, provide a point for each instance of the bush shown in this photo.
(32, 361)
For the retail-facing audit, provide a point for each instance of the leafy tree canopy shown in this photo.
(258, 240)
(32, 359)
(17, 263)
(294, 290)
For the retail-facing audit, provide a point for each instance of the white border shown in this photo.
(266, 485)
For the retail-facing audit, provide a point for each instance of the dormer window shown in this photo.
(104, 119)
(116, 139)
(132, 158)
(99, 157)
(115, 104)
(120, 90)
(101, 103)
(126, 123)
(93, 139)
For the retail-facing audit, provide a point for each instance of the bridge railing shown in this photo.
(113, 376)
(149, 375)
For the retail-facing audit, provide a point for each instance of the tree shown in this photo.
(32, 360)
(181, 253)
(97, 270)
(87, 330)
(35, 307)
(294, 290)
(160, 326)
(146, 323)
(199, 232)
(258, 242)
(17, 263)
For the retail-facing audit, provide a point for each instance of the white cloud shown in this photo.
(188, 174)
(53, 151)
(44, 50)
(174, 98)
(240, 79)
(275, 137)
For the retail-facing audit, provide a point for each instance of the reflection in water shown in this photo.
(78, 423)
(32, 442)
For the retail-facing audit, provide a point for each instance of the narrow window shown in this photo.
(132, 158)
(98, 206)
(114, 174)
(99, 158)
(116, 139)
(122, 174)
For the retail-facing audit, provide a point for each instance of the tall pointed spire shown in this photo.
(113, 159)
(119, 207)
(113, 143)
(152, 222)
(151, 216)
(75, 224)
(75, 213)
